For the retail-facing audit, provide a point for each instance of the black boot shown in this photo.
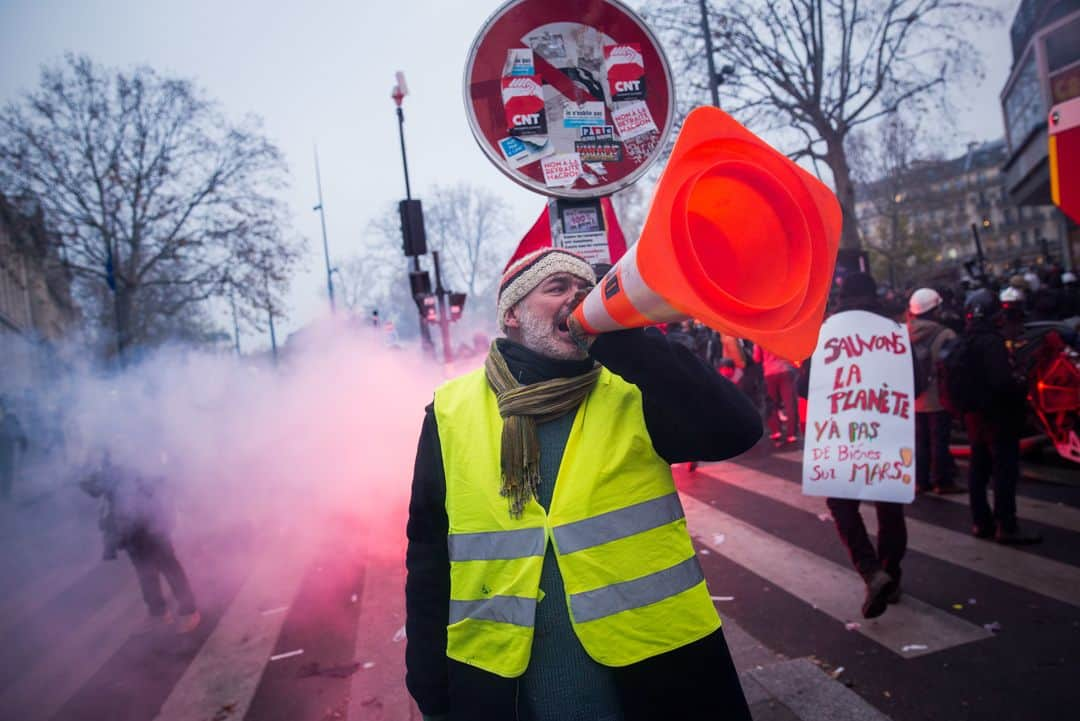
(879, 587)
(1012, 536)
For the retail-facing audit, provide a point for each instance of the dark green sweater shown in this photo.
(562, 683)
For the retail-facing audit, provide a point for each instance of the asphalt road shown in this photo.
(981, 632)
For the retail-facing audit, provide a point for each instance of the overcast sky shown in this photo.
(321, 71)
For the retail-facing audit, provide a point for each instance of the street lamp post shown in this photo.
(326, 247)
(398, 93)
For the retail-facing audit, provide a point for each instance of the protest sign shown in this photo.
(860, 421)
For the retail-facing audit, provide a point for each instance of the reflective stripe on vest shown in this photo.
(494, 545)
(633, 586)
(614, 525)
(506, 609)
(591, 605)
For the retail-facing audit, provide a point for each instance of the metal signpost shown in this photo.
(571, 109)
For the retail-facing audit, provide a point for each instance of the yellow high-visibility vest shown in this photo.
(634, 587)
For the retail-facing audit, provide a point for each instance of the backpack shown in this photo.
(923, 363)
(958, 385)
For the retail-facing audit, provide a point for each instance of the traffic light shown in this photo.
(414, 241)
(419, 283)
(457, 305)
(427, 308)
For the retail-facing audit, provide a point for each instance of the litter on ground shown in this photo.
(314, 669)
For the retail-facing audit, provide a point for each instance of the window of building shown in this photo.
(1063, 46)
(12, 296)
(1025, 107)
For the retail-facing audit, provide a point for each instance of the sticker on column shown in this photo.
(632, 120)
(625, 72)
(523, 103)
(560, 171)
(519, 62)
(589, 113)
(520, 152)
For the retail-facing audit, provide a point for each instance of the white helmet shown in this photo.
(1068, 277)
(1032, 281)
(1011, 295)
(923, 300)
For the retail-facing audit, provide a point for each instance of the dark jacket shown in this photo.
(992, 370)
(691, 413)
(925, 330)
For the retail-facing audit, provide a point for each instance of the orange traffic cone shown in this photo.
(738, 236)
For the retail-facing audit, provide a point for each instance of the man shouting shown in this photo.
(551, 575)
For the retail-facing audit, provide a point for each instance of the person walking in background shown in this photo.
(934, 468)
(880, 568)
(782, 409)
(12, 441)
(993, 405)
(134, 518)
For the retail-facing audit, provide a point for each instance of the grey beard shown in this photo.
(537, 334)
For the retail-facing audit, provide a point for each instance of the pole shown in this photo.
(978, 250)
(326, 248)
(270, 314)
(404, 160)
(444, 322)
(235, 323)
(713, 82)
(399, 95)
(273, 337)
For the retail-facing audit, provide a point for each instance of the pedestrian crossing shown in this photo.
(227, 670)
(1042, 575)
(827, 586)
(72, 656)
(223, 677)
(1058, 515)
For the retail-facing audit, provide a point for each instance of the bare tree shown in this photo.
(632, 207)
(818, 69)
(470, 227)
(884, 160)
(151, 192)
(376, 279)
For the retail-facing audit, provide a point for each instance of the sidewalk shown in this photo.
(780, 689)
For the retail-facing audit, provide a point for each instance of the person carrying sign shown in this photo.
(880, 567)
(550, 573)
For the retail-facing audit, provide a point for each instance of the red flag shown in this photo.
(539, 235)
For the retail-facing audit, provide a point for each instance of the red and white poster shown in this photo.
(860, 419)
(625, 72)
(523, 103)
(632, 120)
(561, 170)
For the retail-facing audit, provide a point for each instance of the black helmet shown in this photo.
(980, 305)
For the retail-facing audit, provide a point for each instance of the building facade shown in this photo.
(1045, 39)
(924, 218)
(36, 308)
